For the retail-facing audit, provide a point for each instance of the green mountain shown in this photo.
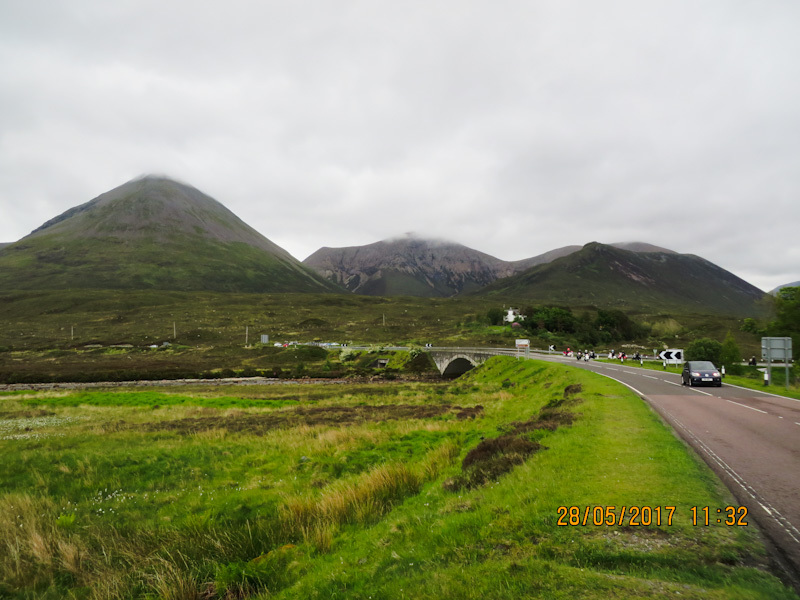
(153, 233)
(607, 276)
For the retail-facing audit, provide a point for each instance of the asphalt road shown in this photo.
(751, 439)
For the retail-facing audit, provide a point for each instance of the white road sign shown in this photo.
(673, 356)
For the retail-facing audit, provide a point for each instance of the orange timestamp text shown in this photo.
(645, 516)
(633, 516)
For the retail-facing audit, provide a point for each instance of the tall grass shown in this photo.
(362, 501)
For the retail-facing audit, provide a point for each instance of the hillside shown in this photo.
(153, 233)
(517, 266)
(606, 276)
(408, 266)
(414, 266)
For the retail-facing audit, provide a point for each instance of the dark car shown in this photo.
(701, 372)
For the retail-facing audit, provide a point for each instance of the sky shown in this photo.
(510, 126)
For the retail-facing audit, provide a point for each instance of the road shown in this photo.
(751, 440)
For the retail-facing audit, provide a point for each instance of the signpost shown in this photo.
(672, 356)
(776, 349)
(526, 344)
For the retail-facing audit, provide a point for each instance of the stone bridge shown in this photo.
(453, 362)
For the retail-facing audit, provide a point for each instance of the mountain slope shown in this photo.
(518, 266)
(413, 266)
(408, 266)
(153, 233)
(607, 276)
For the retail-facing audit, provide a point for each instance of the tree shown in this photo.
(704, 349)
(618, 324)
(554, 319)
(730, 355)
(749, 326)
(787, 305)
(787, 323)
(495, 316)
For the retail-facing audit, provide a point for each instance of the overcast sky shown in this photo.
(511, 126)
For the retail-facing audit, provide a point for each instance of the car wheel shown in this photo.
(690, 383)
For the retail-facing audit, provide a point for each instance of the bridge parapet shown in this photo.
(455, 361)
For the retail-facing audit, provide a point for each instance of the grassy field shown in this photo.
(404, 490)
(107, 335)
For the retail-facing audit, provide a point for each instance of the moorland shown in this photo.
(509, 482)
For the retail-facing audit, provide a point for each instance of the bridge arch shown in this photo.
(457, 366)
(455, 362)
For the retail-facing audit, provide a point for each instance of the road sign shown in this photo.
(776, 348)
(672, 356)
(523, 343)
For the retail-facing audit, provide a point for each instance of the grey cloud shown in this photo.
(513, 127)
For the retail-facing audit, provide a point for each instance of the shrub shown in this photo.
(730, 355)
(704, 349)
(495, 316)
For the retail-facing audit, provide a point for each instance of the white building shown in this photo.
(513, 315)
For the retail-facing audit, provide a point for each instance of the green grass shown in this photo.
(153, 399)
(43, 320)
(347, 491)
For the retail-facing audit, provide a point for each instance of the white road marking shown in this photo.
(651, 377)
(781, 520)
(673, 383)
(701, 392)
(750, 407)
(762, 392)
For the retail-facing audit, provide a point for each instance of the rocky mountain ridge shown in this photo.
(415, 266)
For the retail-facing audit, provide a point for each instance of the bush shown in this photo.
(704, 349)
(495, 316)
(730, 355)
(735, 369)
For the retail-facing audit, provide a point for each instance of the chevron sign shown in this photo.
(673, 356)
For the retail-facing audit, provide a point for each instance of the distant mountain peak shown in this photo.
(605, 275)
(406, 265)
(153, 232)
(641, 247)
